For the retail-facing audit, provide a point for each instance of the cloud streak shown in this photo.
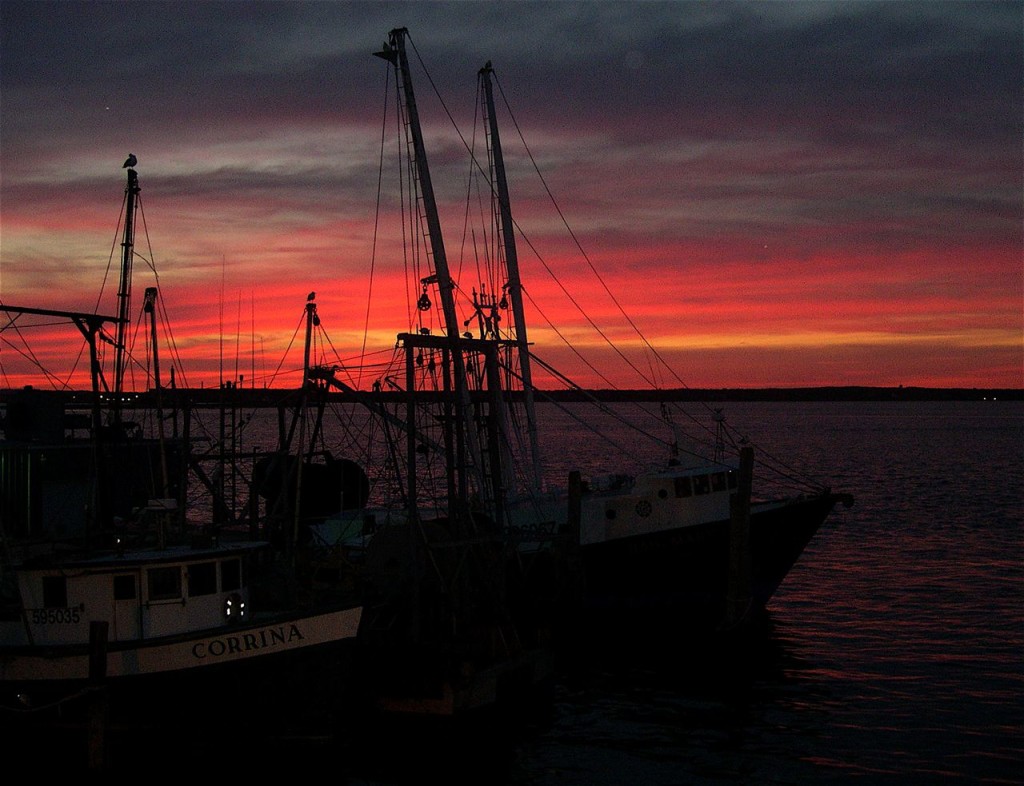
(788, 193)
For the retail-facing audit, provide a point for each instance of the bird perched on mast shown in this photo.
(130, 161)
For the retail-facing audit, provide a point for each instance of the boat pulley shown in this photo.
(423, 304)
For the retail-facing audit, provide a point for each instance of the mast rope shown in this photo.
(376, 220)
(789, 473)
(584, 254)
(652, 351)
(25, 350)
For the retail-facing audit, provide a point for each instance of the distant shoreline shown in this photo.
(274, 397)
(845, 393)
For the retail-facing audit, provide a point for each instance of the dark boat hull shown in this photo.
(684, 575)
(222, 713)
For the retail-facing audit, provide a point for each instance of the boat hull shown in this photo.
(686, 575)
(260, 666)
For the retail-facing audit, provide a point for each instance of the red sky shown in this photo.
(776, 194)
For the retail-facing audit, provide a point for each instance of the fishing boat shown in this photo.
(109, 586)
(440, 632)
(702, 540)
(394, 495)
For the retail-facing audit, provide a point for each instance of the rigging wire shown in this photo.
(789, 474)
(25, 350)
(582, 251)
(651, 351)
(572, 234)
(376, 218)
(110, 259)
(540, 257)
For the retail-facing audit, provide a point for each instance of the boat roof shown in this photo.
(156, 556)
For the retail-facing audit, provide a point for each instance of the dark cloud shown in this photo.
(864, 74)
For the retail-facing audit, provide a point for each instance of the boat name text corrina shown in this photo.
(235, 645)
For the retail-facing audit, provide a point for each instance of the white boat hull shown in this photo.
(261, 639)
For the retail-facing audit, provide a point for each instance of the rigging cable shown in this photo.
(583, 252)
(654, 352)
(376, 221)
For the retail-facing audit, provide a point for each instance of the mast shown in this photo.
(124, 291)
(149, 307)
(394, 52)
(515, 286)
(300, 455)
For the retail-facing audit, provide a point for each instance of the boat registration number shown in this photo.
(67, 616)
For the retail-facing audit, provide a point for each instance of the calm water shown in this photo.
(895, 652)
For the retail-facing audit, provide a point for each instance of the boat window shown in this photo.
(124, 587)
(662, 493)
(732, 478)
(609, 513)
(683, 487)
(230, 574)
(202, 579)
(10, 606)
(701, 484)
(718, 481)
(164, 583)
(55, 592)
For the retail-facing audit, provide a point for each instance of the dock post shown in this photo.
(98, 708)
(571, 561)
(739, 590)
(575, 513)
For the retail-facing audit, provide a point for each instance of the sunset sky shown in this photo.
(776, 193)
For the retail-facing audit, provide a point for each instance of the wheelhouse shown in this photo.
(140, 595)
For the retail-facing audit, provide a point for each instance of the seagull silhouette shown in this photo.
(130, 161)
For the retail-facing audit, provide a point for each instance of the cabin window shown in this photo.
(164, 583)
(230, 574)
(662, 493)
(202, 579)
(55, 592)
(701, 484)
(683, 487)
(609, 513)
(124, 587)
(10, 607)
(732, 479)
(718, 481)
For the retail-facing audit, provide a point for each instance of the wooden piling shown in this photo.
(98, 703)
(739, 591)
